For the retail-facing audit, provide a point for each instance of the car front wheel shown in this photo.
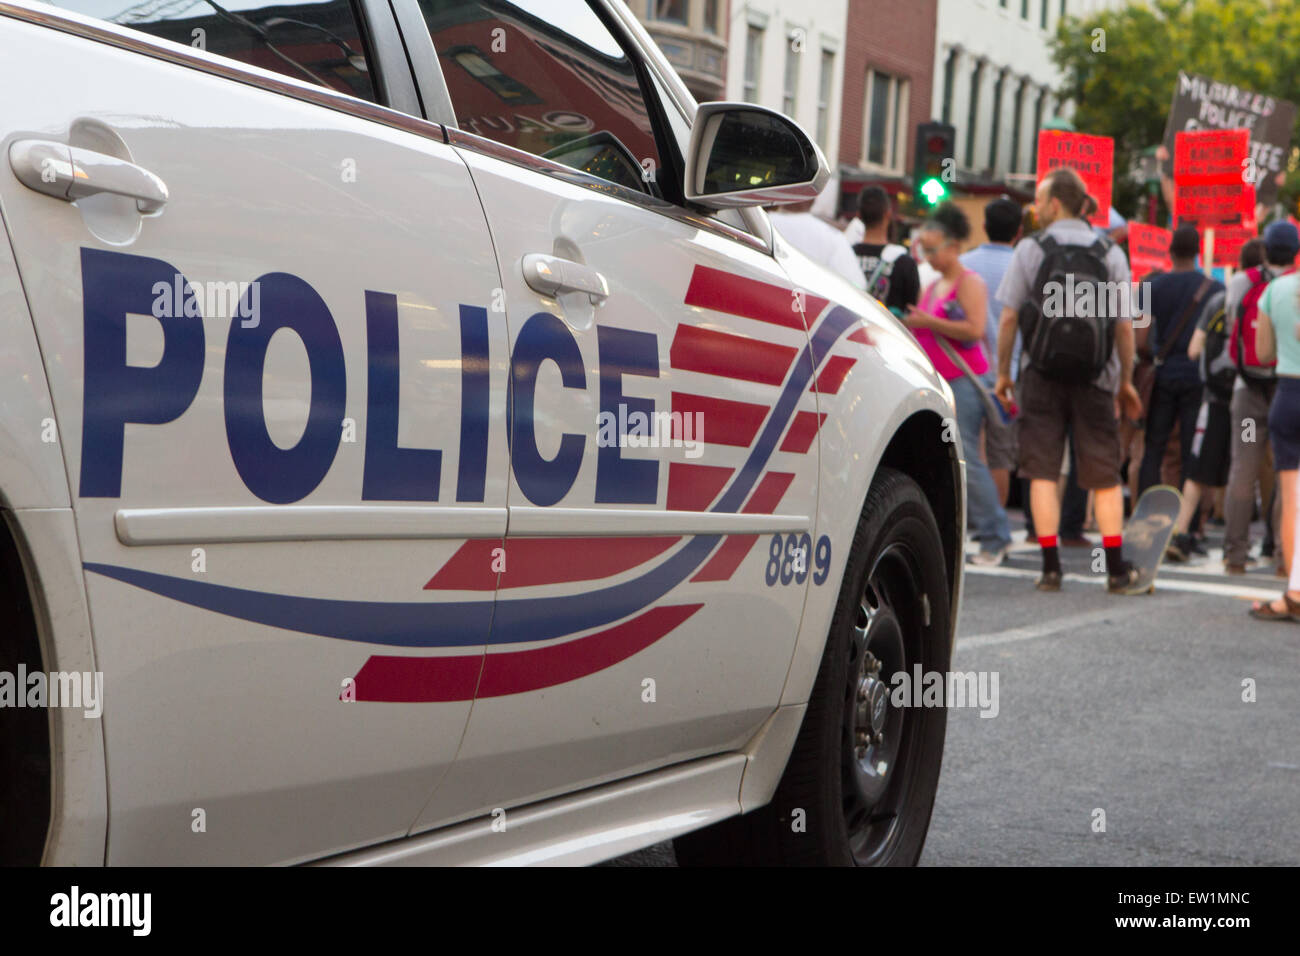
(860, 783)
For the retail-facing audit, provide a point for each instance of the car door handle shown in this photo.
(71, 173)
(551, 275)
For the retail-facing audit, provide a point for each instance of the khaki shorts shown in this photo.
(1047, 410)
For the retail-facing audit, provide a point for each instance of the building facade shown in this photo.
(789, 56)
(888, 79)
(693, 36)
(995, 82)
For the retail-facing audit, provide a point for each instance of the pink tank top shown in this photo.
(949, 308)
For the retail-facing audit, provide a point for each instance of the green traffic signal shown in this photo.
(933, 190)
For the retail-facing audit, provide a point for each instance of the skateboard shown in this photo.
(1149, 528)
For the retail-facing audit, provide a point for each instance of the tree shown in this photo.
(1122, 79)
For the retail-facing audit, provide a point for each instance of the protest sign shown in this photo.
(1228, 241)
(1148, 249)
(1092, 157)
(1202, 103)
(1211, 187)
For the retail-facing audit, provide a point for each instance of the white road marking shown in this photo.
(1047, 628)
(1162, 584)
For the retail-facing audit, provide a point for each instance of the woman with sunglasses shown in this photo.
(954, 308)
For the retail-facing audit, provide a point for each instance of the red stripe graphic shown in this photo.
(392, 679)
(834, 372)
(768, 494)
(862, 335)
(727, 558)
(693, 487)
(534, 561)
(802, 432)
(750, 298)
(763, 501)
(725, 422)
(411, 680)
(520, 671)
(731, 356)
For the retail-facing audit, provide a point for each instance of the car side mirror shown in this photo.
(746, 155)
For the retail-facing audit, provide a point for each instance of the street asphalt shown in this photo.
(1128, 705)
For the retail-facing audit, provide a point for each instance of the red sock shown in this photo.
(1051, 556)
(1113, 543)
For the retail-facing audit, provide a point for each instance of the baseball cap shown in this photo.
(1282, 236)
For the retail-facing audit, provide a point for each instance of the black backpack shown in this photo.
(1062, 342)
(1218, 371)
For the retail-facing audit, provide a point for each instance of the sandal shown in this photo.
(1265, 612)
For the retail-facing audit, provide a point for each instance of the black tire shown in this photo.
(851, 815)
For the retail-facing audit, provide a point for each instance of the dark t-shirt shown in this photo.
(1171, 293)
(898, 283)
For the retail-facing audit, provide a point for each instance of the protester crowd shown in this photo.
(1183, 380)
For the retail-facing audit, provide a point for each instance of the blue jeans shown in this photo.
(984, 511)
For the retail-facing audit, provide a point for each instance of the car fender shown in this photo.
(891, 408)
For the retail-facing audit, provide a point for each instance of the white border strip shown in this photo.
(577, 522)
(151, 526)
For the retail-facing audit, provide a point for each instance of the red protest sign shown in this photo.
(1092, 157)
(1213, 184)
(1228, 241)
(1148, 249)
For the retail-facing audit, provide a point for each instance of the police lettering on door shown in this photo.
(116, 284)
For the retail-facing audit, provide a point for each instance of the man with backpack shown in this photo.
(1252, 393)
(1176, 300)
(1077, 360)
(891, 274)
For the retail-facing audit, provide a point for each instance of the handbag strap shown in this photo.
(990, 408)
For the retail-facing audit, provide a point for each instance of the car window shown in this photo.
(317, 42)
(546, 77)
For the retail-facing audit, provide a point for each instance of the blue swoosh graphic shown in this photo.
(518, 620)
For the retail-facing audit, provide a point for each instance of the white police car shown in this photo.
(409, 412)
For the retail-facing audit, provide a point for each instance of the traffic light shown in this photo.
(932, 167)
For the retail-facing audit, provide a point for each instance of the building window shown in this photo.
(1042, 20)
(1024, 9)
(949, 74)
(824, 96)
(973, 116)
(1017, 120)
(790, 86)
(669, 11)
(753, 60)
(1062, 8)
(711, 16)
(996, 132)
(885, 127)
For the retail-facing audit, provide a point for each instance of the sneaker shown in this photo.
(989, 559)
(1180, 548)
(1230, 568)
(1127, 581)
(1198, 547)
(1049, 581)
